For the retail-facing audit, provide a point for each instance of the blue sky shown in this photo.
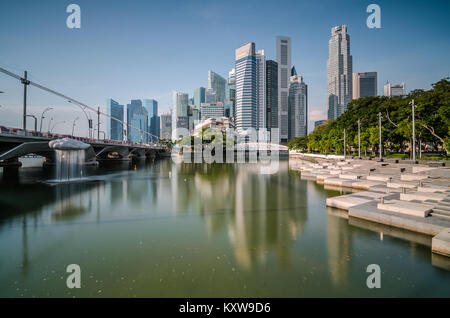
(147, 49)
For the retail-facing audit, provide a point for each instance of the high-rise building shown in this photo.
(212, 110)
(245, 87)
(284, 71)
(210, 96)
(151, 106)
(217, 83)
(339, 72)
(114, 128)
(230, 95)
(271, 94)
(391, 90)
(137, 120)
(364, 84)
(199, 96)
(166, 126)
(179, 113)
(261, 110)
(298, 107)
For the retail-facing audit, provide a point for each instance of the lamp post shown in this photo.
(73, 125)
(49, 123)
(359, 138)
(42, 117)
(59, 122)
(344, 143)
(413, 132)
(88, 117)
(35, 121)
(379, 125)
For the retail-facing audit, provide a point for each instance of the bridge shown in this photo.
(15, 143)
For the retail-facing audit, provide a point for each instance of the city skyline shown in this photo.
(70, 70)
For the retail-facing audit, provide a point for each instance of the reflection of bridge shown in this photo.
(15, 143)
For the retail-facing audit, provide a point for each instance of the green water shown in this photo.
(198, 230)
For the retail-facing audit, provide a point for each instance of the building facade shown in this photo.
(217, 83)
(114, 128)
(391, 90)
(245, 87)
(261, 111)
(137, 121)
(151, 106)
(180, 117)
(284, 70)
(230, 102)
(166, 126)
(199, 96)
(271, 94)
(339, 72)
(298, 107)
(212, 110)
(364, 85)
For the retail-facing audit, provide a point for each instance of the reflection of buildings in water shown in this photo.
(339, 246)
(262, 212)
(269, 214)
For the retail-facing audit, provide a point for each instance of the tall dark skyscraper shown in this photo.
(272, 94)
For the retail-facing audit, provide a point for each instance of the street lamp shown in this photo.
(35, 121)
(379, 125)
(413, 132)
(88, 117)
(73, 125)
(359, 138)
(59, 122)
(42, 117)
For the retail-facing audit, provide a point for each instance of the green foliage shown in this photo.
(298, 143)
(432, 122)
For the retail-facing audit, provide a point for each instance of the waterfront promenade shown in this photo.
(401, 195)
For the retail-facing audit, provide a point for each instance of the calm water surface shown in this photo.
(198, 230)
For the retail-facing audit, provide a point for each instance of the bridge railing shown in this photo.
(31, 133)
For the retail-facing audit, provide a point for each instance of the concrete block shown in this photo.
(405, 207)
(422, 196)
(379, 177)
(440, 243)
(400, 184)
(413, 177)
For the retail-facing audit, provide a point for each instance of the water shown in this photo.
(197, 230)
(69, 165)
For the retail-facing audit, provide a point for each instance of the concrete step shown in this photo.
(442, 216)
(350, 176)
(405, 207)
(422, 196)
(379, 177)
(441, 243)
(432, 188)
(402, 184)
(413, 177)
(442, 212)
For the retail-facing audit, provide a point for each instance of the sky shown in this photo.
(140, 49)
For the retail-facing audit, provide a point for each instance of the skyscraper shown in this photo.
(364, 84)
(392, 90)
(298, 107)
(151, 106)
(166, 126)
(199, 96)
(212, 110)
(179, 113)
(261, 90)
(271, 94)
(210, 95)
(231, 95)
(217, 83)
(284, 70)
(339, 72)
(137, 118)
(114, 128)
(245, 87)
